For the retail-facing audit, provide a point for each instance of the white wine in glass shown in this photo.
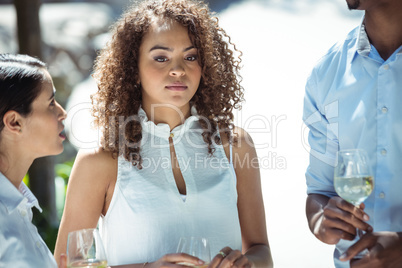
(195, 246)
(353, 178)
(85, 249)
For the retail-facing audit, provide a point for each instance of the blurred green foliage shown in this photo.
(63, 170)
(26, 180)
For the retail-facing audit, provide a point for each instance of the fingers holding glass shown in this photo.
(348, 214)
(197, 247)
(230, 258)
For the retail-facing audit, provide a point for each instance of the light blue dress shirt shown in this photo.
(354, 100)
(20, 244)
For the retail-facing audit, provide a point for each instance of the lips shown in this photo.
(177, 86)
(62, 134)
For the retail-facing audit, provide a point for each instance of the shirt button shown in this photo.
(23, 213)
(386, 67)
(171, 135)
(38, 244)
(384, 110)
(382, 195)
(383, 152)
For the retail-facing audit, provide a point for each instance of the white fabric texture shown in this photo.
(20, 244)
(147, 215)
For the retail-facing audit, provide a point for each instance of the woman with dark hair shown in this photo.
(171, 162)
(30, 127)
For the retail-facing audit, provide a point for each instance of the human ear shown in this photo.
(12, 121)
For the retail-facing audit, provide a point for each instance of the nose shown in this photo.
(177, 70)
(62, 113)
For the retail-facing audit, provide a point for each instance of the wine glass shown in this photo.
(353, 178)
(195, 246)
(85, 249)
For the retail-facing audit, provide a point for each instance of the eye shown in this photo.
(52, 102)
(161, 59)
(191, 58)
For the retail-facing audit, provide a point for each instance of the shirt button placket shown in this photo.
(382, 132)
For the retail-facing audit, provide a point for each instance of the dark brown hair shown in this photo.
(116, 72)
(21, 77)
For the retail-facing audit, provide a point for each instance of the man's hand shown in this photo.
(384, 251)
(339, 220)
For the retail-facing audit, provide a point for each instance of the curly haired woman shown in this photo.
(171, 162)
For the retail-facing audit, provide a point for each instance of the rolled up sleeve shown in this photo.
(322, 141)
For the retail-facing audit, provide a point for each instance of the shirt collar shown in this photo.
(162, 130)
(363, 42)
(12, 197)
(363, 46)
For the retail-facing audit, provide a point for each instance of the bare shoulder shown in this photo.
(95, 155)
(238, 133)
(89, 192)
(97, 163)
(245, 160)
(242, 144)
(242, 140)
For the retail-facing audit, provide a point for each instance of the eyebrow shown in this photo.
(169, 49)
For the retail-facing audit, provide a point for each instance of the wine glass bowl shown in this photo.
(85, 249)
(195, 246)
(353, 178)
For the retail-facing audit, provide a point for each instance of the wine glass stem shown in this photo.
(359, 233)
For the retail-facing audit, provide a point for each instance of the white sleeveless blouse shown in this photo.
(147, 216)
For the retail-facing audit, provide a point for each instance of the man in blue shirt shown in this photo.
(354, 100)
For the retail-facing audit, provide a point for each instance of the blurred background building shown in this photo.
(280, 39)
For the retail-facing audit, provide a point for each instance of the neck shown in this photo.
(383, 27)
(14, 166)
(167, 114)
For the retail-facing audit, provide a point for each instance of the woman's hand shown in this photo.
(228, 257)
(175, 260)
(63, 261)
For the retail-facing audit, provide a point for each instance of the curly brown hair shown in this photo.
(117, 75)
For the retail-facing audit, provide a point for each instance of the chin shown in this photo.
(57, 151)
(179, 103)
(61, 149)
(353, 4)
